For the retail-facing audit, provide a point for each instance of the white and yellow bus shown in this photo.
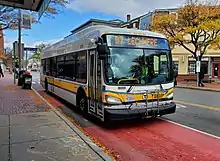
(112, 73)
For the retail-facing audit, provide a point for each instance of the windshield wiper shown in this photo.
(129, 89)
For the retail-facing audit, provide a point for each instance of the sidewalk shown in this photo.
(30, 130)
(214, 86)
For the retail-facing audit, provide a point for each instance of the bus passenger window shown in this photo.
(43, 65)
(81, 70)
(60, 66)
(54, 67)
(69, 72)
(48, 66)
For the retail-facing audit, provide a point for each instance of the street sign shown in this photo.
(43, 7)
(198, 65)
(26, 20)
(15, 48)
(30, 49)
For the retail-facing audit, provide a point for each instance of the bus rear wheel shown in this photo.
(46, 86)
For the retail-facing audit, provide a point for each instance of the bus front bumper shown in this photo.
(136, 113)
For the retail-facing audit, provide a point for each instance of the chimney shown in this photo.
(128, 17)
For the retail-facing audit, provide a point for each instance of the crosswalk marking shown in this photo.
(180, 106)
(35, 82)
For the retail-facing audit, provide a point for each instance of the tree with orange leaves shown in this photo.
(195, 26)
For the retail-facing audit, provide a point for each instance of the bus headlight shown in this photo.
(112, 100)
(170, 95)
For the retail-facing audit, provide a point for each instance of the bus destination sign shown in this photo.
(137, 41)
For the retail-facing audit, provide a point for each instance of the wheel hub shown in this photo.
(82, 104)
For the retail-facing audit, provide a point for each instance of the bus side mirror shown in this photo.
(103, 51)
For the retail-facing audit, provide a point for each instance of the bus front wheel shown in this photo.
(82, 104)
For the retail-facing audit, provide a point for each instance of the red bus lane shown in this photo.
(156, 140)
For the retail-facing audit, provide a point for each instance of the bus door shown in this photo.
(52, 72)
(99, 107)
(52, 84)
(95, 93)
(92, 82)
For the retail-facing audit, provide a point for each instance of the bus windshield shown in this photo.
(137, 66)
(140, 66)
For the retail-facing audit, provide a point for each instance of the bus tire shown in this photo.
(46, 86)
(82, 103)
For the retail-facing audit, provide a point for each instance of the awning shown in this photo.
(33, 5)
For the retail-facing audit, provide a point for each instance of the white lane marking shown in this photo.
(190, 128)
(33, 82)
(180, 106)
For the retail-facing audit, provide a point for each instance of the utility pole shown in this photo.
(26, 63)
(19, 39)
(198, 65)
(15, 46)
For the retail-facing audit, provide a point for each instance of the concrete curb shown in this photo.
(86, 139)
(199, 89)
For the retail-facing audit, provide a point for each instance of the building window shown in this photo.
(176, 65)
(192, 67)
(81, 67)
(205, 66)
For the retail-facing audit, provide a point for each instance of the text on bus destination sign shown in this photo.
(135, 41)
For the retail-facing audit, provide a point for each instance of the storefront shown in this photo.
(186, 65)
(216, 67)
(204, 63)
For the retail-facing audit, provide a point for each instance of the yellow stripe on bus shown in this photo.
(123, 97)
(136, 97)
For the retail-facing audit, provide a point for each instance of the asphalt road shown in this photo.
(201, 110)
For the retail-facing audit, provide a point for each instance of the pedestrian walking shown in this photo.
(1, 72)
(201, 76)
(175, 75)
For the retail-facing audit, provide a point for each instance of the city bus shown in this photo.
(111, 73)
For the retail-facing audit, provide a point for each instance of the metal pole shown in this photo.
(26, 63)
(19, 39)
(14, 69)
(197, 78)
(197, 65)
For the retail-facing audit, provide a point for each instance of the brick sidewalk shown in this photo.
(215, 86)
(14, 100)
(30, 130)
